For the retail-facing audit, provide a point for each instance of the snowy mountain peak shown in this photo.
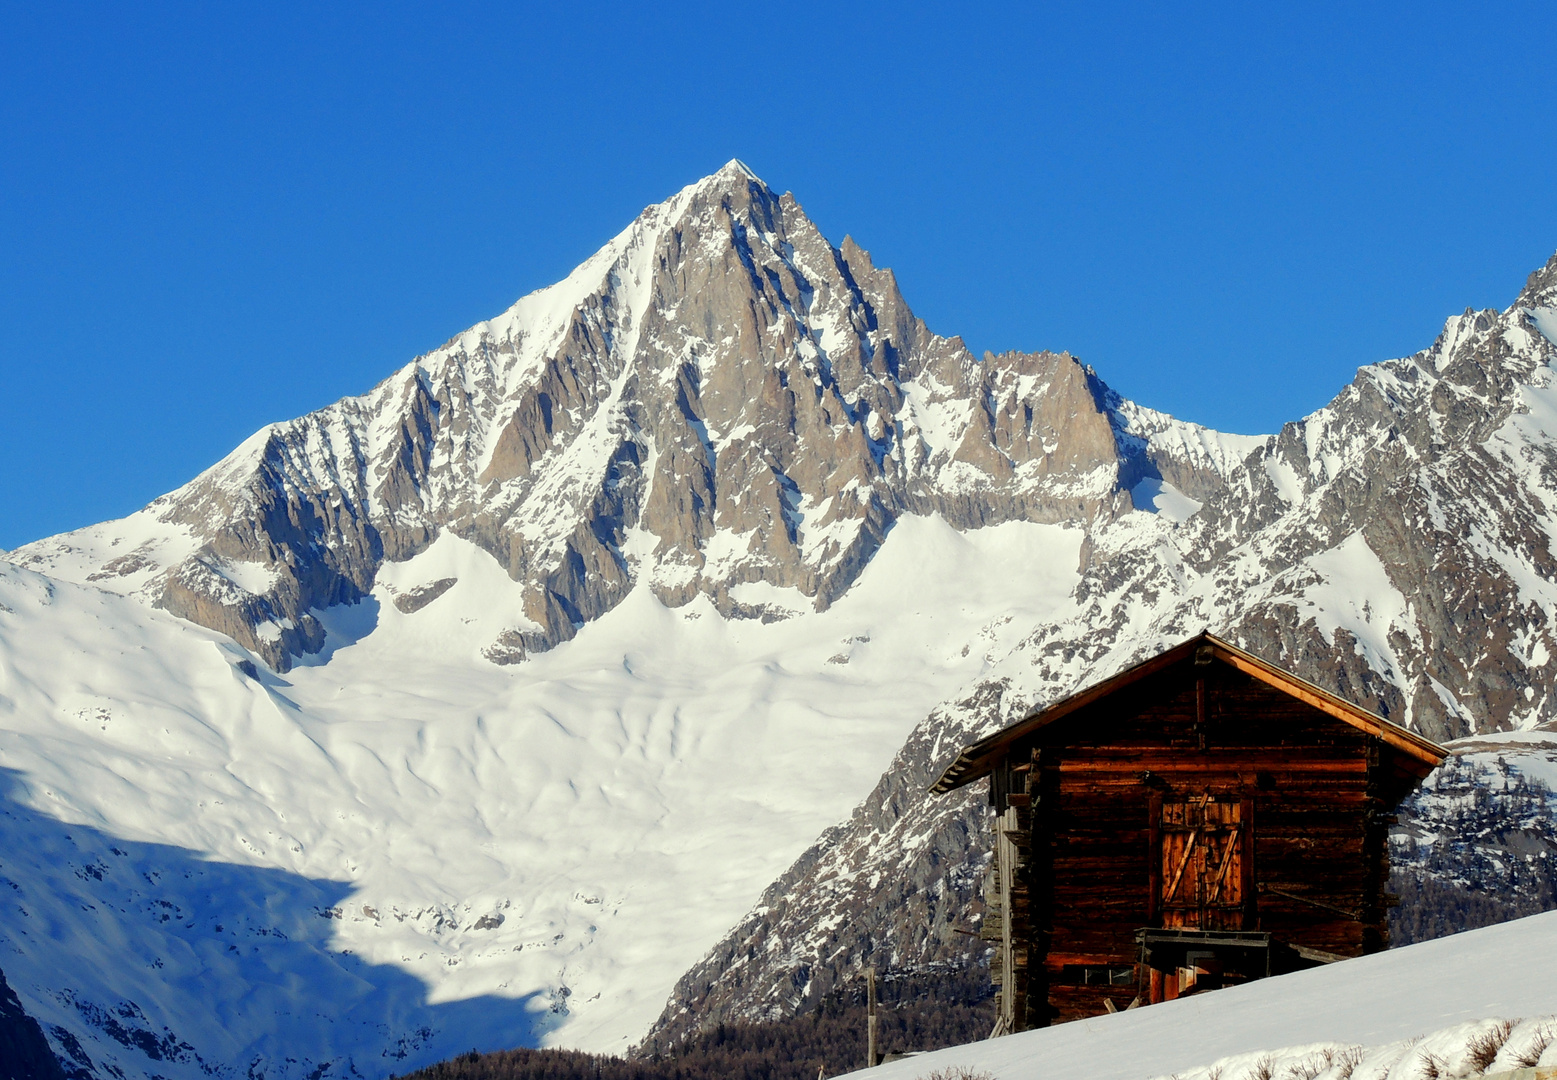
(1540, 289)
(1395, 546)
(737, 167)
(718, 402)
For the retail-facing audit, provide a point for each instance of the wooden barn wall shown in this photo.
(1318, 800)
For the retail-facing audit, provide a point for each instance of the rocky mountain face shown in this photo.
(694, 462)
(1395, 547)
(718, 398)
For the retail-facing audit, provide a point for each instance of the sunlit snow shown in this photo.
(568, 834)
(1160, 497)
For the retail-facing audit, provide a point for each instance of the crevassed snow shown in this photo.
(1499, 972)
(545, 847)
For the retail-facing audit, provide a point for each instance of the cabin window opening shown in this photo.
(1098, 975)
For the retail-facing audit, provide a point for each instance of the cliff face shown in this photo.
(718, 397)
(1395, 547)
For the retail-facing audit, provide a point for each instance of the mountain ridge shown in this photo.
(539, 436)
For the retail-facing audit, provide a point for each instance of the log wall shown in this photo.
(1078, 867)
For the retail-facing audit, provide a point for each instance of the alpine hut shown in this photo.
(1201, 819)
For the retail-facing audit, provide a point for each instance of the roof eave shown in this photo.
(979, 759)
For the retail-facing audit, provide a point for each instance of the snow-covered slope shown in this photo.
(1452, 991)
(471, 854)
(543, 655)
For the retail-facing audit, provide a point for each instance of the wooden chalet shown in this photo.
(1201, 819)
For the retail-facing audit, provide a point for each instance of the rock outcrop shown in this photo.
(24, 1051)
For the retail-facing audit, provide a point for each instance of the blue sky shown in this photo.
(215, 216)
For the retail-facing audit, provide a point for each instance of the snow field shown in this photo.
(558, 840)
(1378, 1016)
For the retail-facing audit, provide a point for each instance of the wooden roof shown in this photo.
(980, 758)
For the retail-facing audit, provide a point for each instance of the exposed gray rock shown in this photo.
(414, 600)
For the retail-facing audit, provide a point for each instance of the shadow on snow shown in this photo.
(146, 960)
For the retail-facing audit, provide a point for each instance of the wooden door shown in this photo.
(1201, 879)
